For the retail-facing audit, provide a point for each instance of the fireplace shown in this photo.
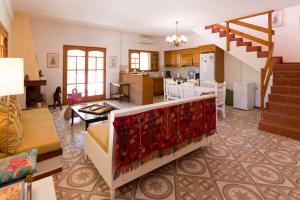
(34, 94)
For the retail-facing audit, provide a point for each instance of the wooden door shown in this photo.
(84, 70)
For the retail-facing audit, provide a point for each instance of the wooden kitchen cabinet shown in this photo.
(196, 57)
(170, 59)
(186, 57)
(158, 86)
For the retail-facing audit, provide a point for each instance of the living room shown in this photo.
(114, 100)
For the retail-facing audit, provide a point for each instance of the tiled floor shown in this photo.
(242, 164)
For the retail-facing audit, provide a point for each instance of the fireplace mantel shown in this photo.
(35, 83)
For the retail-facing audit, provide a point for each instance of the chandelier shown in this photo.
(175, 40)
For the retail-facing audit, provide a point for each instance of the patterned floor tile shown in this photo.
(235, 191)
(155, 186)
(266, 174)
(227, 170)
(242, 163)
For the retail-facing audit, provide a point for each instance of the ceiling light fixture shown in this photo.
(175, 40)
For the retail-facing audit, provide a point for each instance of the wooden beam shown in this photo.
(254, 27)
(253, 15)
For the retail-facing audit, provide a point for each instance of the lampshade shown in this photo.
(11, 76)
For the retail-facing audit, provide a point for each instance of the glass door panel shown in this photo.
(76, 71)
(95, 73)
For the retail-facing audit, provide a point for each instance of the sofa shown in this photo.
(39, 132)
(137, 140)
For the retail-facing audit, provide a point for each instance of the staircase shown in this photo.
(282, 114)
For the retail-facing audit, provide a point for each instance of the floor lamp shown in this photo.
(11, 82)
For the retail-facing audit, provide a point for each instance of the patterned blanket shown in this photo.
(144, 136)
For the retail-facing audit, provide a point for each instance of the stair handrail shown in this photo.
(269, 30)
(266, 73)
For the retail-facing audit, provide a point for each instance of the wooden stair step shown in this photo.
(286, 67)
(262, 54)
(289, 99)
(209, 27)
(286, 81)
(236, 39)
(286, 74)
(287, 131)
(255, 48)
(277, 59)
(215, 30)
(222, 34)
(286, 90)
(282, 108)
(239, 43)
(281, 119)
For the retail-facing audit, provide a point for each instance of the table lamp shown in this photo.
(11, 82)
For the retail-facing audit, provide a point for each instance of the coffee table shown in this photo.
(88, 117)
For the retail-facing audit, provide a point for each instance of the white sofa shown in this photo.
(102, 155)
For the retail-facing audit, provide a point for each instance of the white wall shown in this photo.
(49, 37)
(236, 70)
(287, 36)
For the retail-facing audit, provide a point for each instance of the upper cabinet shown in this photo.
(182, 58)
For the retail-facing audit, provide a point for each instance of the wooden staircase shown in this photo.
(239, 40)
(282, 114)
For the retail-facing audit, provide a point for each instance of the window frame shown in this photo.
(130, 51)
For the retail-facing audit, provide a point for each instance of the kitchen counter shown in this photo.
(141, 88)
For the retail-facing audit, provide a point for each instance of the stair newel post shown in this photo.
(262, 88)
(227, 36)
(270, 26)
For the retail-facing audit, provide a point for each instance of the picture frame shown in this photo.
(52, 60)
(277, 18)
(113, 61)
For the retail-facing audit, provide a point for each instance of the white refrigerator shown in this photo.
(207, 66)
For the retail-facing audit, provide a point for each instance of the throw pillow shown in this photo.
(17, 166)
(9, 140)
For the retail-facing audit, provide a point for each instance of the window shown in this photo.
(84, 70)
(3, 42)
(143, 60)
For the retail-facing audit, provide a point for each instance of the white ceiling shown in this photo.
(149, 17)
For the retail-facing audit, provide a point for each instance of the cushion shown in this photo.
(14, 100)
(99, 132)
(38, 131)
(17, 166)
(10, 139)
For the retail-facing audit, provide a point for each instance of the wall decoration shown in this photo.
(113, 61)
(52, 60)
(277, 18)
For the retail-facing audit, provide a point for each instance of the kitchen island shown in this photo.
(141, 87)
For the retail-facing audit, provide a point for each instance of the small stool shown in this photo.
(120, 94)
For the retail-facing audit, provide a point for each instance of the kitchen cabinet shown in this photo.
(182, 58)
(186, 57)
(158, 86)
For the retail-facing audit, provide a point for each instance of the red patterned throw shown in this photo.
(144, 136)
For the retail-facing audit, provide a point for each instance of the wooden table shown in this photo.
(88, 117)
(43, 189)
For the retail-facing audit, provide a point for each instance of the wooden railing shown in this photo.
(237, 21)
(266, 73)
